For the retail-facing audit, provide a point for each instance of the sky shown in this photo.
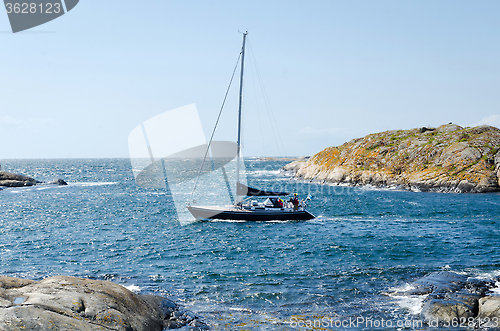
(332, 71)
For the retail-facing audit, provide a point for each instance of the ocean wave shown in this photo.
(87, 184)
(411, 303)
(133, 288)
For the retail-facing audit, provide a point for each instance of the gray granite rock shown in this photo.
(57, 182)
(451, 297)
(13, 180)
(70, 303)
(438, 282)
(489, 307)
(8, 179)
(448, 310)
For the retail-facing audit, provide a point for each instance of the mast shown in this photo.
(239, 117)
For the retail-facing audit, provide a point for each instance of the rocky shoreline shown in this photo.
(451, 299)
(8, 179)
(77, 304)
(444, 159)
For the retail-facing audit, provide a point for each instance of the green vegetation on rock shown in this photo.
(448, 158)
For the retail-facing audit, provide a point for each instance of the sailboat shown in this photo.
(250, 209)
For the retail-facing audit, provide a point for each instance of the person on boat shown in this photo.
(295, 202)
(280, 201)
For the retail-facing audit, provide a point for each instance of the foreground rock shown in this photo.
(70, 303)
(8, 179)
(451, 298)
(447, 159)
(489, 307)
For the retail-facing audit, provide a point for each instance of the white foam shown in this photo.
(405, 288)
(488, 275)
(496, 289)
(43, 188)
(188, 221)
(86, 184)
(133, 288)
(491, 275)
(240, 309)
(39, 187)
(265, 172)
(412, 303)
(14, 191)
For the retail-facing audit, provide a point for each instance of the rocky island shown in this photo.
(448, 158)
(77, 304)
(8, 179)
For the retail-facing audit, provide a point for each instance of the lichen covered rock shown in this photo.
(447, 159)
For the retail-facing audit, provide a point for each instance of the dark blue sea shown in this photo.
(342, 266)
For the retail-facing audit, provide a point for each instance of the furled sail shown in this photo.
(244, 190)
